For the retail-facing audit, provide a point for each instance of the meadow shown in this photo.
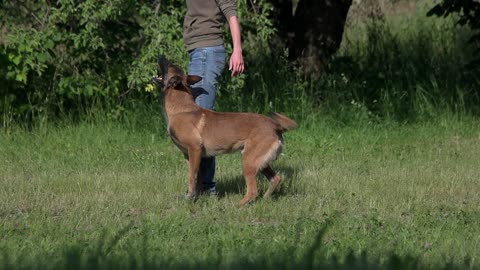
(114, 191)
(382, 172)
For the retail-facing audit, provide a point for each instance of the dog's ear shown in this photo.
(193, 79)
(174, 81)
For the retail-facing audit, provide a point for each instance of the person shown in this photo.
(203, 30)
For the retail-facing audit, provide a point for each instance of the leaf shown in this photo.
(16, 60)
(29, 49)
(43, 57)
(21, 47)
(49, 44)
(29, 62)
(10, 74)
(21, 77)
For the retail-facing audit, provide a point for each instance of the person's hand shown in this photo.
(236, 63)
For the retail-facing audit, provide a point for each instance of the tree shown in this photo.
(312, 30)
(468, 12)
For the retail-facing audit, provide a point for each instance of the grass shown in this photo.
(111, 190)
(381, 166)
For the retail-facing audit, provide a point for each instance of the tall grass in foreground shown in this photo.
(75, 257)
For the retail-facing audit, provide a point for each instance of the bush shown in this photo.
(97, 58)
(58, 57)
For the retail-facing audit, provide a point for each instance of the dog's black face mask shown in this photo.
(170, 75)
(160, 79)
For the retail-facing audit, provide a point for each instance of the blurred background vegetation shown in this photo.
(361, 60)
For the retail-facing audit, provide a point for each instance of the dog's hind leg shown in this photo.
(268, 156)
(273, 178)
(250, 174)
(256, 158)
(250, 168)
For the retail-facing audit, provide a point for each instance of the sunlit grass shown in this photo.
(410, 190)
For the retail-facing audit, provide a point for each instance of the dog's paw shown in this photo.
(191, 197)
(186, 197)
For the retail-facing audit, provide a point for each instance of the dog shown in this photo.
(199, 132)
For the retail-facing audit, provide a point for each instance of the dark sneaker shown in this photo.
(212, 192)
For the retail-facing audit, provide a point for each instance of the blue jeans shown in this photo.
(208, 63)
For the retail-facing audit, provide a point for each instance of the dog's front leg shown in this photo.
(194, 157)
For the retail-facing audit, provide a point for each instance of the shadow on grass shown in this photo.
(236, 184)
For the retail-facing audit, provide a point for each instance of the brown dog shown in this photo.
(198, 132)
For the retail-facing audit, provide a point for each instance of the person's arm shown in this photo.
(229, 9)
(235, 64)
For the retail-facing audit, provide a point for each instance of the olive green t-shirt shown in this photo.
(204, 22)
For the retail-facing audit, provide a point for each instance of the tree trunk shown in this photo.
(283, 20)
(314, 33)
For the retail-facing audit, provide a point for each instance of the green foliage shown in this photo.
(66, 56)
(408, 70)
(82, 58)
(468, 12)
(163, 34)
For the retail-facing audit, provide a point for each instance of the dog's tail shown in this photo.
(284, 122)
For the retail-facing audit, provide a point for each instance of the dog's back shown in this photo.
(225, 132)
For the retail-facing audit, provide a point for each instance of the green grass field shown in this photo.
(113, 190)
(384, 171)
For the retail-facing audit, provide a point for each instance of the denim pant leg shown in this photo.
(207, 63)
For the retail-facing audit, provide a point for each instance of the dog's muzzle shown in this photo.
(158, 80)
